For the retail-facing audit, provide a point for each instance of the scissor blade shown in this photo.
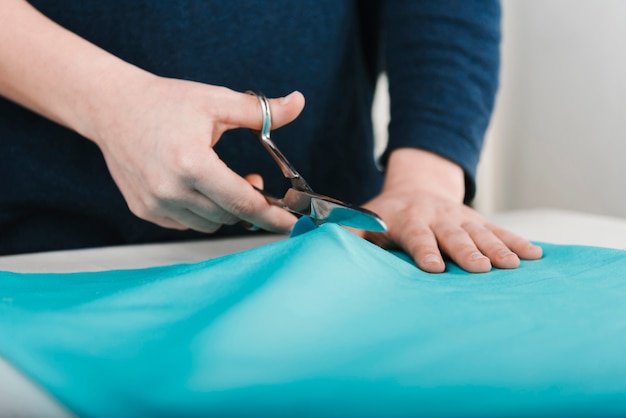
(324, 210)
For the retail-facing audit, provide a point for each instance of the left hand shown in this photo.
(422, 204)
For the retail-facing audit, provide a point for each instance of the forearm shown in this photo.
(57, 74)
(442, 60)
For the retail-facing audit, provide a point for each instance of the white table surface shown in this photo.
(19, 397)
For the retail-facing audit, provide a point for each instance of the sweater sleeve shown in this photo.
(442, 60)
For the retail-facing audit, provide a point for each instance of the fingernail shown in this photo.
(537, 249)
(504, 253)
(477, 255)
(432, 259)
(287, 98)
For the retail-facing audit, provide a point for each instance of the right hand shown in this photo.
(158, 145)
(156, 134)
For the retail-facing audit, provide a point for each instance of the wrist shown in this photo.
(114, 91)
(416, 170)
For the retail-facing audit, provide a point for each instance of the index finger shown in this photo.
(235, 195)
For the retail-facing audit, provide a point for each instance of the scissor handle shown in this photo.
(264, 136)
(274, 201)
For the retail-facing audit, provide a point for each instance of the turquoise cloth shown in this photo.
(326, 324)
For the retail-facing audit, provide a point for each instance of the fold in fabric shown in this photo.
(326, 324)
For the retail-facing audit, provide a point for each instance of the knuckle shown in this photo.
(210, 228)
(242, 206)
(215, 112)
(141, 209)
(171, 224)
(417, 235)
(137, 210)
(420, 247)
(228, 219)
(448, 234)
(221, 216)
(185, 164)
(416, 238)
(161, 192)
(471, 226)
(411, 212)
(154, 205)
(165, 192)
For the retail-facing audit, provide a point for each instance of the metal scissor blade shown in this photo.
(323, 209)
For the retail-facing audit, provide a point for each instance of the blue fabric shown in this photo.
(441, 56)
(326, 324)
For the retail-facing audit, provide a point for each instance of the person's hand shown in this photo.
(421, 203)
(158, 145)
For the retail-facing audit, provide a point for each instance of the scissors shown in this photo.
(300, 199)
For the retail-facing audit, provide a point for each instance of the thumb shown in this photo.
(243, 110)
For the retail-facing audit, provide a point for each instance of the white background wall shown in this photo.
(558, 135)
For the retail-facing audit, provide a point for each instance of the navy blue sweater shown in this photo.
(441, 57)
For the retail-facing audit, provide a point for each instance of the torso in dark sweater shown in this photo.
(56, 192)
